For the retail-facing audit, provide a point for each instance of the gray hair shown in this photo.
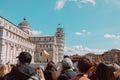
(67, 63)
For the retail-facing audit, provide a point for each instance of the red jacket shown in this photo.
(80, 77)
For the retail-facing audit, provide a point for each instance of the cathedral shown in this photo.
(17, 38)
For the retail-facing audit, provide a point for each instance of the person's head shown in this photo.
(84, 65)
(66, 56)
(3, 70)
(42, 67)
(24, 57)
(39, 72)
(51, 66)
(104, 72)
(67, 64)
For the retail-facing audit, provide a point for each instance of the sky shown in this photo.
(89, 25)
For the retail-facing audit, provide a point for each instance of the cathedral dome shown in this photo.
(24, 25)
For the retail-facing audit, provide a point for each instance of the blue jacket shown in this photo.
(70, 73)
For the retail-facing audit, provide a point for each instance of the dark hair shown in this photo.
(84, 64)
(66, 56)
(51, 66)
(104, 72)
(25, 57)
(50, 71)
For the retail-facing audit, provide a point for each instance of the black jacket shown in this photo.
(20, 72)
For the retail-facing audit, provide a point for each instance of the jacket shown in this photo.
(80, 77)
(70, 73)
(21, 72)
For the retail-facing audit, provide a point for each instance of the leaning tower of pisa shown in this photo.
(60, 38)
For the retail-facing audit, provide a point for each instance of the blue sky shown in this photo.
(90, 25)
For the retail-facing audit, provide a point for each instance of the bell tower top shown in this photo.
(60, 32)
(24, 18)
(60, 29)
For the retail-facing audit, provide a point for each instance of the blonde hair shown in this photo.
(117, 73)
(39, 72)
(9, 67)
(3, 70)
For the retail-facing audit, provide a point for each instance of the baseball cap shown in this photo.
(24, 57)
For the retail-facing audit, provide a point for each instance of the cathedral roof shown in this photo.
(24, 24)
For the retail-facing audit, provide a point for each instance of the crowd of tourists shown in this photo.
(85, 70)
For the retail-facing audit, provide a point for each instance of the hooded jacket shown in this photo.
(21, 72)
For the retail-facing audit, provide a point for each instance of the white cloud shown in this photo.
(80, 50)
(88, 33)
(79, 6)
(80, 3)
(93, 2)
(36, 33)
(116, 2)
(112, 36)
(108, 36)
(83, 32)
(78, 33)
(60, 4)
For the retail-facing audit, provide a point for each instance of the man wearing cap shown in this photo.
(23, 70)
